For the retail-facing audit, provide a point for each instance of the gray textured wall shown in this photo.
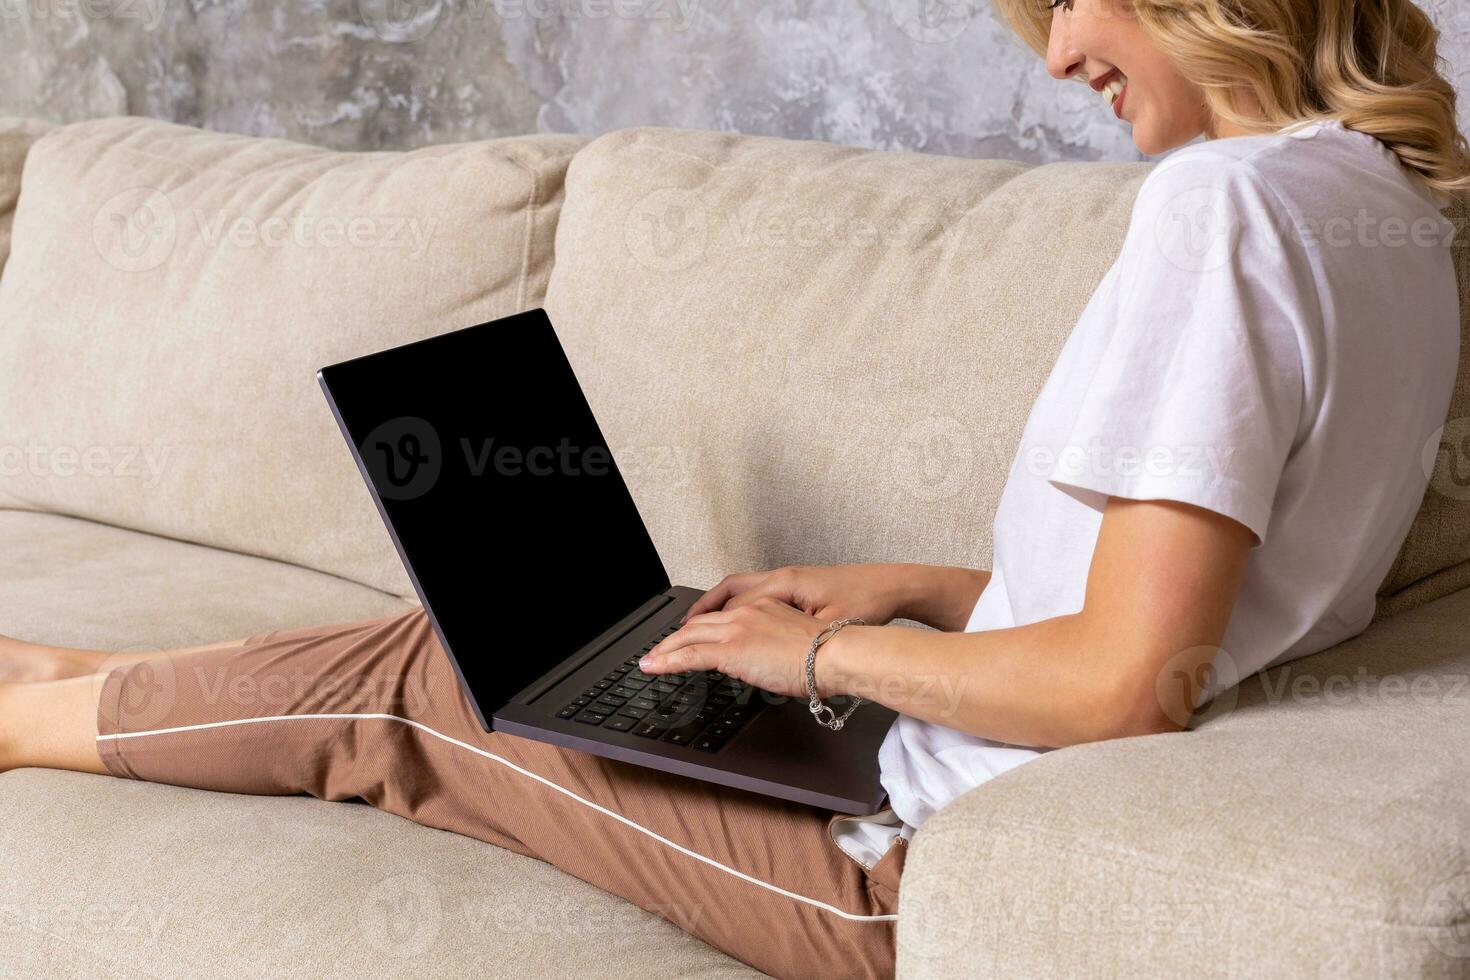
(932, 75)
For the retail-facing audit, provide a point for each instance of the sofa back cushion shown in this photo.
(807, 354)
(1435, 558)
(171, 294)
(16, 137)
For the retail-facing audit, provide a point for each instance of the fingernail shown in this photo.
(645, 663)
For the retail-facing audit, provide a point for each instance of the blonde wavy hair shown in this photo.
(1373, 64)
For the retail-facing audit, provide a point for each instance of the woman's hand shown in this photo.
(935, 595)
(875, 593)
(763, 642)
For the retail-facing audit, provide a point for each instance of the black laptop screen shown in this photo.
(508, 507)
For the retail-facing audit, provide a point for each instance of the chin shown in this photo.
(1147, 143)
(1153, 140)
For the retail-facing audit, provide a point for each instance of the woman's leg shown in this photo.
(374, 711)
(50, 725)
(25, 662)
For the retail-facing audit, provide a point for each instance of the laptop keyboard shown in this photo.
(702, 709)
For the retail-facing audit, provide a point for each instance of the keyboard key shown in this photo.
(610, 702)
(592, 692)
(590, 717)
(645, 703)
(632, 712)
(624, 691)
(619, 723)
(614, 676)
(664, 687)
(649, 729)
(569, 711)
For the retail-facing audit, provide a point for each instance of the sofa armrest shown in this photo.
(1315, 824)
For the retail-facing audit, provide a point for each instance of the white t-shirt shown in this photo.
(1277, 342)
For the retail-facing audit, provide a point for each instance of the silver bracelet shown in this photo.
(817, 708)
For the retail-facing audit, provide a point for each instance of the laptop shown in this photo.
(539, 577)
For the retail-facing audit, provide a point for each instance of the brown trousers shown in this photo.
(373, 711)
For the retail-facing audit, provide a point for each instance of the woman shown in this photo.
(1216, 477)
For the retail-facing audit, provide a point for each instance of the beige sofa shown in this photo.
(799, 353)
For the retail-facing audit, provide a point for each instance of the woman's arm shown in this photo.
(941, 596)
(1163, 580)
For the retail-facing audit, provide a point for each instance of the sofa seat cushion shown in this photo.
(162, 881)
(171, 293)
(1313, 824)
(72, 582)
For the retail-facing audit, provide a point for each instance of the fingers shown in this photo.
(730, 585)
(694, 647)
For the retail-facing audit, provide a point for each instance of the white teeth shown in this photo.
(1114, 88)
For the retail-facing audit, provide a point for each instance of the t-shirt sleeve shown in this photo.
(1198, 393)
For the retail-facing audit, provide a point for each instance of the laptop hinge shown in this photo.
(622, 628)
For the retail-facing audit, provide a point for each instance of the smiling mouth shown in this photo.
(1113, 90)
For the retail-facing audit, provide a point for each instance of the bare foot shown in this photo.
(22, 662)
